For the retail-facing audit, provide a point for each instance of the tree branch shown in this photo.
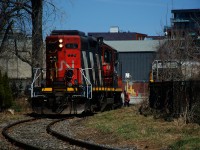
(19, 5)
(5, 36)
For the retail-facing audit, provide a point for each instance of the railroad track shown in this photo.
(14, 140)
(78, 142)
(41, 134)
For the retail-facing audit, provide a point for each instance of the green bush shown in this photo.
(6, 99)
(8, 93)
(16, 107)
(15, 90)
(2, 93)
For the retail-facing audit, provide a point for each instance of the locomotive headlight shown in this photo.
(60, 40)
(60, 45)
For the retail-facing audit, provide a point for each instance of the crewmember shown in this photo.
(127, 99)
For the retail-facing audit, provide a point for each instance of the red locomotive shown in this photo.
(82, 74)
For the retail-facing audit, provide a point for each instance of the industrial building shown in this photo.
(116, 35)
(136, 51)
(18, 71)
(136, 57)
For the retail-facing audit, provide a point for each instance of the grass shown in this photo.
(20, 107)
(126, 126)
(186, 143)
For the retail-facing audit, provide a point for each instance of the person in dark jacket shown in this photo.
(126, 99)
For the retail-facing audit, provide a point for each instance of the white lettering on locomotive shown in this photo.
(63, 62)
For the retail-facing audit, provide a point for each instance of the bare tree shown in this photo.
(178, 58)
(26, 16)
(37, 40)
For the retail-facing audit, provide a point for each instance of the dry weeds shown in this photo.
(126, 128)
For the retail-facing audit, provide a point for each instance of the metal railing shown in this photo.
(37, 73)
(88, 83)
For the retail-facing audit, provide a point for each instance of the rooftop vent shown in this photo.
(114, 29)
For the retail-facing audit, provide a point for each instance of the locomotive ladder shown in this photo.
(88, 84)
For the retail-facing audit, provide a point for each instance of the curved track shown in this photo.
(31, 134)
(16, 141)
(77, 142)
(62, 141)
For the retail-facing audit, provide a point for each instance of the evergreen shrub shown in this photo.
(6, 98)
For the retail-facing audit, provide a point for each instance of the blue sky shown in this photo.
(143, 16)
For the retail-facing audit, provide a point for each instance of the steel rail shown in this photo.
(77, 142)
(15, 141)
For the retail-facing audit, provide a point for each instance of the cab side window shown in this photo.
(107, 56)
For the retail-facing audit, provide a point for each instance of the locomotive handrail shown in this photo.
(87, 81)
(35, 79)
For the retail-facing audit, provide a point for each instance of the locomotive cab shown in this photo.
(111, 66)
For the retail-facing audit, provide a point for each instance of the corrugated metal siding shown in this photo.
(138, 64)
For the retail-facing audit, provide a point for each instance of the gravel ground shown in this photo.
(4, 144)
(35, 134)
